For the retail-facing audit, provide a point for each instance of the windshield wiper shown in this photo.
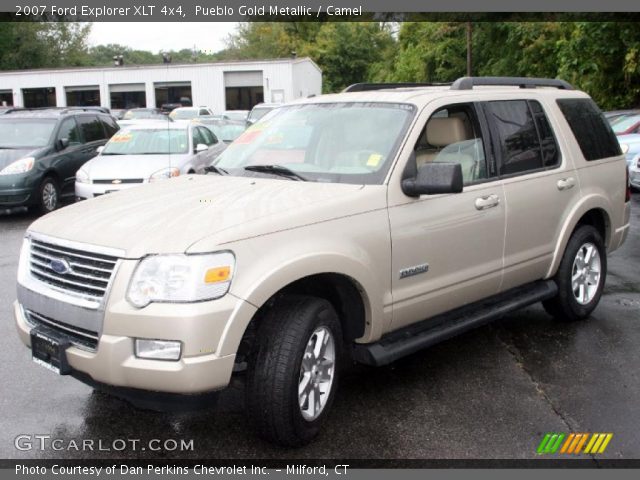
(112, 153)
(276, 170)
(214, 169)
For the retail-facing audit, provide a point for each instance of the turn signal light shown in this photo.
(219, 274)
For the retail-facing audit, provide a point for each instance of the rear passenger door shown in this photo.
(540, 186)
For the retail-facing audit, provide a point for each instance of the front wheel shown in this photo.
(292, 373)
(48, 196)
(580, 277)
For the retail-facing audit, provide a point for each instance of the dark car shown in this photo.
(42, 149)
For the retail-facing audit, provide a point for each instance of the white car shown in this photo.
(145, 153)
(630, 145)
(186, 114)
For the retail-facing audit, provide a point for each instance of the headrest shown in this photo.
(445, 131)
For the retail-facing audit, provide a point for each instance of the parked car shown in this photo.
(145, 153)
(613, 115)
(9, 109)
(137, 115)
(346, 227)
(225, 130)
(626, 124)
(167, 108)
(183, 114)
(259, 111)
(118, 113)
(235, 115)
(41, 150)
(630, 145)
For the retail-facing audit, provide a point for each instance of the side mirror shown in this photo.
(434, 178)
(100, 149)
(62, 143)
(201, 147)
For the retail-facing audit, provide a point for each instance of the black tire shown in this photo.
(274, 369)
(565, 306)
(49, 184)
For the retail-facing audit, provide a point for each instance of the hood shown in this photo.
(106, 167)
(172, 215)
(10, 155)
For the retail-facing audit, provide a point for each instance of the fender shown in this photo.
(270, 277)
(586, 203)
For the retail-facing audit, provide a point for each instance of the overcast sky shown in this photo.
(162, 36)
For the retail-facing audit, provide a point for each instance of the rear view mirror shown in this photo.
(62, 143)
(434, 178)
(201, 147)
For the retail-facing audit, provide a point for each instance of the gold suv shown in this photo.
(361, 226)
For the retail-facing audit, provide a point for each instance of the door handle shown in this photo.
(566, 183)
(488, 201)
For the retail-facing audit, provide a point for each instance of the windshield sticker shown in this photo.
(122, 138)
(374, 160)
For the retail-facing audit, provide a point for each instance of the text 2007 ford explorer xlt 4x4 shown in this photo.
(359, 226)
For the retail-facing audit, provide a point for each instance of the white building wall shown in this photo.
(207, 80)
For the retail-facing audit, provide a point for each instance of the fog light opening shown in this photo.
(149, 349)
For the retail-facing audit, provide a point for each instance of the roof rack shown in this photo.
(467, 83)
(366, 87)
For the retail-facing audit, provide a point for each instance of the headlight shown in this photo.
(181, 278)
(624, 147)
(19, 166)
(82, 176)
(164, 174)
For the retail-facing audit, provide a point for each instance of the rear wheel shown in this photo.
(48, 196)
(292, 373)
(580, 277)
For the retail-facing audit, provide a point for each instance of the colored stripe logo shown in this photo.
(574, 443)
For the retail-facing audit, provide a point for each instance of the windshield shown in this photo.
(227, 132)
(25, 132)
(184, 113)
(326, 142)
(147, 141)
(625, 123)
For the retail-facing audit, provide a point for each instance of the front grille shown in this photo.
(88, 274)
(119, 181)
(76, 335)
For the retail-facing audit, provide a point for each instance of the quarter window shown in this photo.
(589, 127)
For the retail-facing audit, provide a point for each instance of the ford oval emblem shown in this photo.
(60, 266)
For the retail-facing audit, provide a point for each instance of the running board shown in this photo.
(426, 333)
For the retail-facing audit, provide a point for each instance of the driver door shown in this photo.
(447, 249)
(70, 158)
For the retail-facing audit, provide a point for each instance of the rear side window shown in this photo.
(91, 128)
(589, 127)
(110, 125)
(519, 145)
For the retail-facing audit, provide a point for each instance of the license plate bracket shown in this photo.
(48, 349)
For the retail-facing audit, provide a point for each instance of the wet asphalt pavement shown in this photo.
(491, 393)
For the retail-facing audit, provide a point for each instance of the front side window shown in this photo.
(515, 129)
(25, 132)
(69, 130)
(207, 136)
(452, 135)
(147, 142)
(324, 142)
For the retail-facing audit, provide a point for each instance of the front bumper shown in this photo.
(16, 190)
(85, 191)
(200, 327)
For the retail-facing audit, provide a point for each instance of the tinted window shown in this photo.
(550, 153)
(203, 112)
(590, 128)
(91, 128)
(519, 149)
(197, 137)
(209, 138)
(110, 126)
(69, 130)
